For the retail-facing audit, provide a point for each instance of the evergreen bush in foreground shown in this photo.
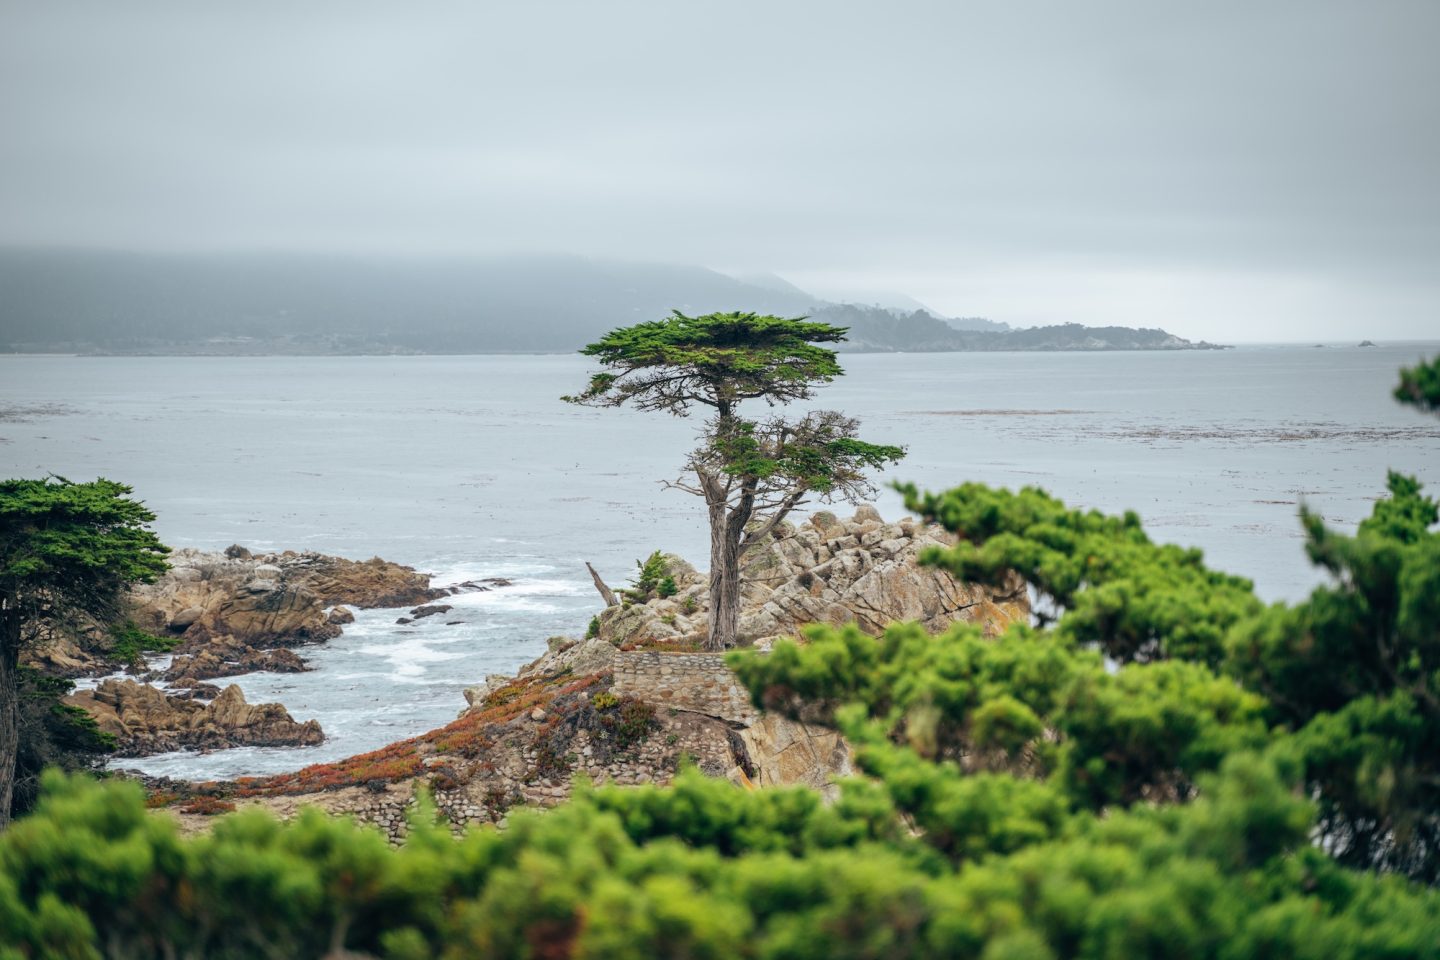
(702, 869)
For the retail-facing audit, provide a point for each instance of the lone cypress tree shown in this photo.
(751, 473)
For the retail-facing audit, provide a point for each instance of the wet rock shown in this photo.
(476, 586)
(144, 720)
(271, 599)
(231, 659)
(185, 618)
(364, 584)
(194, 689)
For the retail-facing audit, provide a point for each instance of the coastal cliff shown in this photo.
(638, 700)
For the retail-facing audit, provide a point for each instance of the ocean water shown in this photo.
(470, 467)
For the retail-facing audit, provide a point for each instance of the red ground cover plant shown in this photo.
(469, 737)
(208, 806)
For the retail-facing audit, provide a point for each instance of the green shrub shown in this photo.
(129, 644)
(705, 869)
(650, 579)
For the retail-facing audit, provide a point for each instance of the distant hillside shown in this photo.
(104, 302)
(1074, 336)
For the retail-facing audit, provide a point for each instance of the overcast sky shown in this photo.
(1228, 170)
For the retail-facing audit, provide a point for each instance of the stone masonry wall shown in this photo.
(697, 682)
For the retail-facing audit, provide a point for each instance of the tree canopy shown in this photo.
(67, 552)
(66, 546)
(716, 361)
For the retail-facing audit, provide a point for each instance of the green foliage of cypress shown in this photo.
(1355, 670)
(129, 644)
(1134, 599)
(52, 734)
(1420, 386)
(1031, 703)
(716, 360)
(67, 553)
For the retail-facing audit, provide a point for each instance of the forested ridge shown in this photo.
(130, 303)
(1167, 768)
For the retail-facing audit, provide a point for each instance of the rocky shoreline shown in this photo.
(639, 697)
(222, 615)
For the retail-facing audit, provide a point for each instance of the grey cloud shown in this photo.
(1222, 168)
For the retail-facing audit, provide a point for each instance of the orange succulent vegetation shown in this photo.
(666, 645)
(208, 806)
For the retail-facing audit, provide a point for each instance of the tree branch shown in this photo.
(605, 592)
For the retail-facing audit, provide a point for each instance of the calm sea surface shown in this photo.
(471, 467)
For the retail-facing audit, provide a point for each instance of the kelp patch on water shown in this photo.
(23, 413)
(995, 413)
(1294, 432)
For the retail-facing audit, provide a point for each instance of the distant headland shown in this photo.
(110, 303)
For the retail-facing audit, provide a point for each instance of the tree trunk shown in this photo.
(727, 533)
(9, 707)
(724, 587)
(606, 593)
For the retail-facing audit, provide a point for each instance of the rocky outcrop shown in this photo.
(585, 708)
(785, 752)
(209, 596)
(827, 570)
(63, 656)
(429, 610)
(366, 584)
(229, 659)
(279, 599)
(144, 720)
(272, 599)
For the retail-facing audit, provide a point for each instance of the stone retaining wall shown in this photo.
(697, 682)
